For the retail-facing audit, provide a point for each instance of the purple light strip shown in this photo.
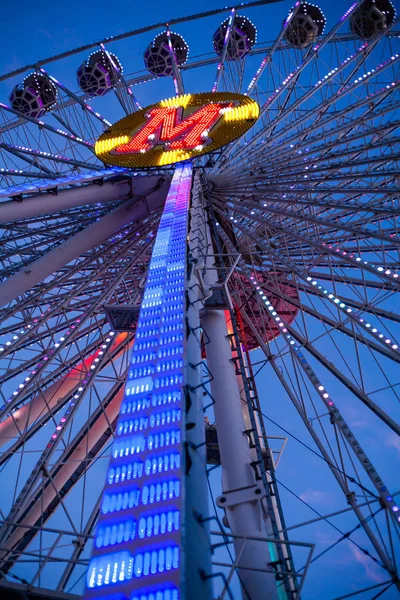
(69, 136)
(138, 542)
(177, 84)
(128, 89)
(75, 97)
(268, 56)
(224, 50)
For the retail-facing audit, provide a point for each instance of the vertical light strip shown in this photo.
(228, 33)
(137, 551)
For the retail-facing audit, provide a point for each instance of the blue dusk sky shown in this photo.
(32, 31)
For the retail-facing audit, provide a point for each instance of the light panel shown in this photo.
(177, 129)
(138, 542)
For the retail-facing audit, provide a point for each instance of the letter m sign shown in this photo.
(164, 125)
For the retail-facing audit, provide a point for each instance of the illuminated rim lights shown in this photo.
(177, 129)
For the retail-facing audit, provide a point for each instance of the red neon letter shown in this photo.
(166, 125)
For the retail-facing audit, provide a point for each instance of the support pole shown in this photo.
(241, 496)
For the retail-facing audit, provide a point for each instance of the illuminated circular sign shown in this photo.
(177, 129)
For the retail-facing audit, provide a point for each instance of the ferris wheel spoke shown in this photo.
(368, 307)
(299, 226)
(251, 216)
(344, 472)
(45, 126)
(334, 299)
(332, 170)
(87, 264)
(291, 148)
(257, 192)
(336, 419)
(31, 307)
(23, 154)
(357, 391)
(25, 174)
(292, 94)
(270, 54)
(76, 245)
(65, 383)
(324, 105)
(309, 58)
(56, 439)
(27, 304)
(91, 113)
(227, 40)
(359, 55)
(328, 163)
(376, 135)
(34, 251)
(374, 98)
(79, 548)
(48, 378)
(354, 282)
(331, 323)
(75, 460)
(335, 322)
(70, 371)
(353, 224)
(57, 346)
(354, 388)
(121, 255)
(121, 88)
(37, 347)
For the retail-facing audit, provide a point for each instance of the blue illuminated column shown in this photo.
(138, 547)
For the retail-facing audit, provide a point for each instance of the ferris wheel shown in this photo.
(199, 264)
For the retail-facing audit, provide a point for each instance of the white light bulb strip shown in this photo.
(98, 358)
(310, 149)
(178, 85)
(89, 108)
(366, 99)
(345, 89)
(323, 80)
(43, 361)
(8, 345)
(333, 250)
(332, 298)
(268, 57)
(355, 316)
(342, 252)
(41, 153)
(338, 303)
(70, 136)
(119, 69)
(228, 32)
(296, 349)
(370, 73)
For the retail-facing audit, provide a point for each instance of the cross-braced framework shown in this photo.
(292, 269)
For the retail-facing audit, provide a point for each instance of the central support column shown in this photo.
(242, 495)
(145, 542)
